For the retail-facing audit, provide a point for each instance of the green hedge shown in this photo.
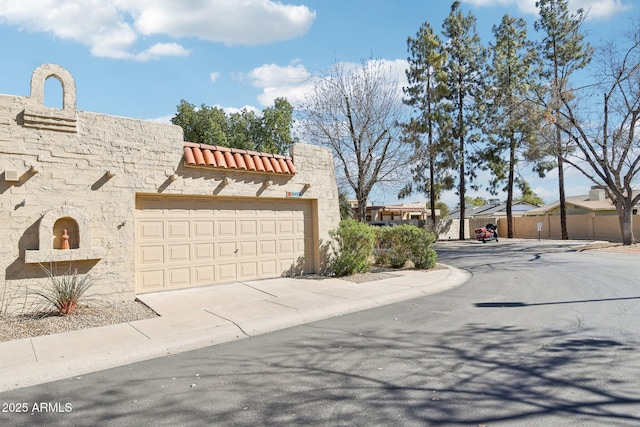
(397, 245)
(353, 243)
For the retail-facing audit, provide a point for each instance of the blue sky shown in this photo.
(139, 58)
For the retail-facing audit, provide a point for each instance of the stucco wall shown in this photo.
(579, 227)
(90, 167)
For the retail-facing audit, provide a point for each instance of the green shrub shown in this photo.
(353, 243)
(397, 245)
(64, 291)
(390, 250)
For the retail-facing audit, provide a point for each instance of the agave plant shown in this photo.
(65, 290)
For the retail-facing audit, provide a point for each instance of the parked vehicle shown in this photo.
(490, 232)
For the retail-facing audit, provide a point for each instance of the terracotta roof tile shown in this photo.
(276, 165)
(219, 159)
(257, 160)
(188, 156)
(208, 157)
(292, 168)
(228, 158)
(268, 167)
(213, 156)
(197, 154)
(239, 161)
(249, 162)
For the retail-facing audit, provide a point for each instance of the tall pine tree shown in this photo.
(425, 93)
(466, 58)
(511, 116)
(563, 51)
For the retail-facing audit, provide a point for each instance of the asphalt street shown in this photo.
(541, 334)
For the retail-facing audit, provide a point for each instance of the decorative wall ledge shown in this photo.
(60, 255)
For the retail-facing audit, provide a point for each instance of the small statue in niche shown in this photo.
(65, 240)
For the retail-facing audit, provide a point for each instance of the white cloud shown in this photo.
(248, 22)
(596, 9)
(290, 81)
(295, 81)
(601, 9)
(159, 50)
(113, 28)
(214, 76)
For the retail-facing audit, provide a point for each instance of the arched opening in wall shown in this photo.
(53, 92)
(69, 224)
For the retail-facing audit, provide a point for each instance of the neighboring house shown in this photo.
(595, 203)
(519, 208)
(494, 209)
(146, 211)
(405, 211)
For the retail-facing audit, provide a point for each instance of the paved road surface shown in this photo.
(540, 336)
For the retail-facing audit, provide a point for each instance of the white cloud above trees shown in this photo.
(117, 28)
(295, 81)
(596, 9)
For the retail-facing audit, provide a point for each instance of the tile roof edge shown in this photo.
(235, 150)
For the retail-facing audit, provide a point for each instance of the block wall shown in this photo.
(90, 167)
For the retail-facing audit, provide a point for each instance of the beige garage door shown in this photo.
(196, 241)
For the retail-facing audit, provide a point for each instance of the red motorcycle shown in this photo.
(490, 232)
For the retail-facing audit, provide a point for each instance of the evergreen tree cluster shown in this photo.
(487, 106)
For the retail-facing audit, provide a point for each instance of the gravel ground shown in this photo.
(14, 327)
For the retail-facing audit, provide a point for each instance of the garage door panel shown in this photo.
(226, 250)
(195, 241)
(300, 246)
(248, 270)
(179, 277)
(268, 247)
(178, 253)
(248, 249)
(178, 229)
(204, 274)
(247, 228)
(268, 268)
(203, 251)
(226, 228)
(285, 246)
(203, 229)
(268, 227)
(285, 226)
(151, 280)
(151, 255)
(227, 272)
(150, 230)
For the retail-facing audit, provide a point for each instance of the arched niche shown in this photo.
(39, 116)
(50, 231)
